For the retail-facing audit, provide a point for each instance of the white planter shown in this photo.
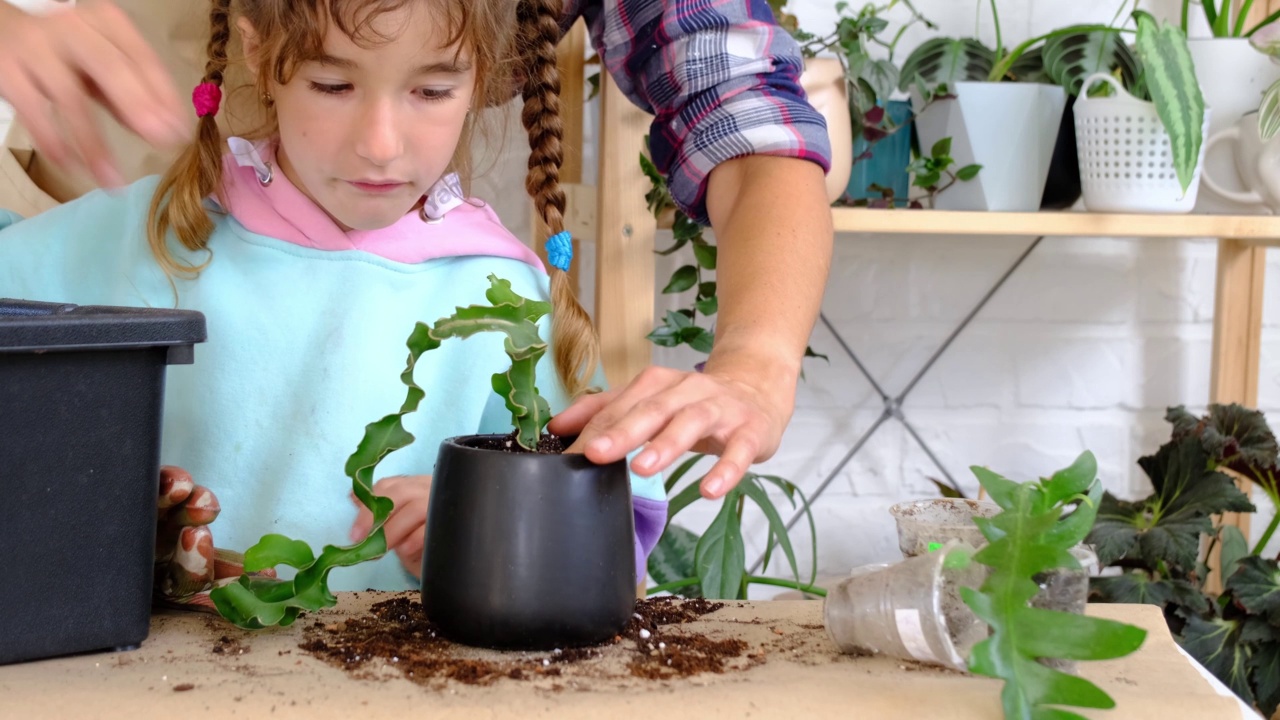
(1007, 128)
(824, 84)
(1232, 77)
(1126, 164)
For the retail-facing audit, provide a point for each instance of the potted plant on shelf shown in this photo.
(998, 110)
(579, 587)
(842, 79)
(1219, 41)
(1140, 155)
(1153, 547)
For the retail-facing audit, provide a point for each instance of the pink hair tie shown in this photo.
(206, 97)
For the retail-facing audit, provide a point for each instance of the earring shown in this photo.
(267, 99)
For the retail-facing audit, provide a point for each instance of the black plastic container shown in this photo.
(526, 550)
(1062, 186)
(81, 403)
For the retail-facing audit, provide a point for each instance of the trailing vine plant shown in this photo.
(257, 602)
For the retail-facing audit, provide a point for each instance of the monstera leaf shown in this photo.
(1166, 526)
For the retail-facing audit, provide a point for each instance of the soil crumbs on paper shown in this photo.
(397, 634)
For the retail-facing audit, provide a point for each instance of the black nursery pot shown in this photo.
(1062, 186)
(81, 409)
(527, 550)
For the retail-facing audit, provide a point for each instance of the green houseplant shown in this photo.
(1154, 547)
(258, 602)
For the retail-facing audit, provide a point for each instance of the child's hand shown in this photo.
(406, 527)
(187, 566)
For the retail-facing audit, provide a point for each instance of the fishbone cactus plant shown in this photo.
(258, 602)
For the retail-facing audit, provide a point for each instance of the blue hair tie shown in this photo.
(560, 250)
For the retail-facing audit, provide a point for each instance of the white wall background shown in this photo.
(1084, 348)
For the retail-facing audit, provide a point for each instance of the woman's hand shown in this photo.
(54, 67)
(737, 409)
(407, 524)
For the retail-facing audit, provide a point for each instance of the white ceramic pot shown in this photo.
(1233, 76)
(1008, 128)
(1257, 164)
(823, 83)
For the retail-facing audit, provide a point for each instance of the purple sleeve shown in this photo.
(651, 519)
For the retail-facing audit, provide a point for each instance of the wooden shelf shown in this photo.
(1252, 229)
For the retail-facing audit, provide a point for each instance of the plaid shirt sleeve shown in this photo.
(720, 77)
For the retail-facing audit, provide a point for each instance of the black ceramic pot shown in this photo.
(526, 550)
(1062, 187)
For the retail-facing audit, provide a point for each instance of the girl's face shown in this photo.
(365, 132)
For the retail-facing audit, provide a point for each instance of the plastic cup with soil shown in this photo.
(926, 525)
(911, 610)
(1066, 590)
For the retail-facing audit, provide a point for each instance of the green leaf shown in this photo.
(680, 471)
(1136, 587)
(1216, 645)
(882, 76)
(1073, 529)
(529, 411)
(683, 499)
(1266, 669)
(1072, 57)
(810, 353)
(751, 488)
(1073, 480)
(698, 339)
(945, 61)
(941, 148)
(273, 550)
(672, 559)
(685, 277)
(705, 254)
(708, 306)
(1171, 79)
(1234, 549)
(721, 557)
(1056, 634)
(968, 172)
(1269, 112)
(1256, 586)
(1002, 490)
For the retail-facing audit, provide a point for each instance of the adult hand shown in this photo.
(406, 527)
(53, 67)
(187, 566)
(736, 408)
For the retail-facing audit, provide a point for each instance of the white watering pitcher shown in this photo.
(1257, 162)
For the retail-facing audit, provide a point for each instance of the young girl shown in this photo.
(313, 245)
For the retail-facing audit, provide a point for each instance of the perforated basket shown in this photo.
(1126, 164)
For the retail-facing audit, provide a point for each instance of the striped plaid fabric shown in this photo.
(720, 77)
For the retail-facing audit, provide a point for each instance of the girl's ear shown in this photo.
(251, 44)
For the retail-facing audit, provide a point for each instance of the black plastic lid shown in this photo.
(27, 326)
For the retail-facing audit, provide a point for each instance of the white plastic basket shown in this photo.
(1125, 161)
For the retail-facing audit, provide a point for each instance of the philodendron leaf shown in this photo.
(685, 277)
(258, 602)
(750, 486)
(1216, 644)
(672, 559)
(721, 555)
(1256, 586)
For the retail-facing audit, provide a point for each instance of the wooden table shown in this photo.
(196, 667)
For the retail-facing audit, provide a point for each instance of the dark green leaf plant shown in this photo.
(258, 602)
(1039, 523)
(1157, 547)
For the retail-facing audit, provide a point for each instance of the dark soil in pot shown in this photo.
(527, 550)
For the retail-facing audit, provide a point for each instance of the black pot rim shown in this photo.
(573, 460)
